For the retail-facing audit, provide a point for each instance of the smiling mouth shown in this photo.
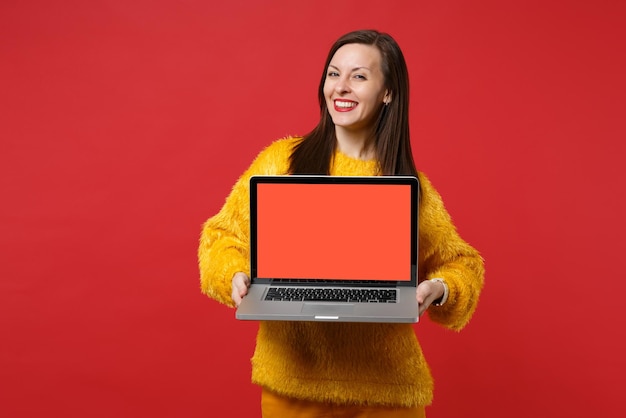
(343, 106)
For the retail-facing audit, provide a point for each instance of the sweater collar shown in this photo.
(344, 165)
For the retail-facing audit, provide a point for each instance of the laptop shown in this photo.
(331, 248)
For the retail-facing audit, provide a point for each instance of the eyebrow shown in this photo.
(354, 69)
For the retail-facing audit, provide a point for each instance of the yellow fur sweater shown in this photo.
(343, 363)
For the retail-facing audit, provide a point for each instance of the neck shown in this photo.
(356, 146)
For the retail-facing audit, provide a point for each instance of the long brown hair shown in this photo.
(313, 155)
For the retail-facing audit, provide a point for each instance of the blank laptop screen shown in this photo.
(334, 231)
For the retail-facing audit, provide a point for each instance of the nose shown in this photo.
(343, 85)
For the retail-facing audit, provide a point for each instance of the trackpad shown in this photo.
(327, 309)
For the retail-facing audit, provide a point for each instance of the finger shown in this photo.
(422, 294)
(424, 297)
(239, 288)
(235, 296)
(422, 309)
(243, 290)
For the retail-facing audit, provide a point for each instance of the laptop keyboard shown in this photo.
(303, 294)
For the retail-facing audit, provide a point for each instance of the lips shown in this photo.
(344, 105)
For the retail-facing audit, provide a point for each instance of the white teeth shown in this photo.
(345, 105)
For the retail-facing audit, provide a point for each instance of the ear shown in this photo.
(387, 97)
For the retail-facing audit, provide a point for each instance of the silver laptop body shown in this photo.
(333, 248)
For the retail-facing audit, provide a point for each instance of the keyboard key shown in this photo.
(332, 295)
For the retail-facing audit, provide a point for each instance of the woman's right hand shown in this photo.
(240, 283)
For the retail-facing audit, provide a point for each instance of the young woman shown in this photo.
(348, 369)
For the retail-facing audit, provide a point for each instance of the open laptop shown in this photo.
(330, 248)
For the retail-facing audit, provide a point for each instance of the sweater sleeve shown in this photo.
(444, 254)
(224, 242)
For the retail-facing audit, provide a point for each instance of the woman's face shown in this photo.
(355, 88)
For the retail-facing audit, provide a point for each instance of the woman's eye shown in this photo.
(360, 77)
(333, 74)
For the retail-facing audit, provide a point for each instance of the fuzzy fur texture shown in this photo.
(343, 363)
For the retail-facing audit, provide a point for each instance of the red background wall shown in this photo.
(123, 125)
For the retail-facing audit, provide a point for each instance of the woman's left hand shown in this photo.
(428, 291)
